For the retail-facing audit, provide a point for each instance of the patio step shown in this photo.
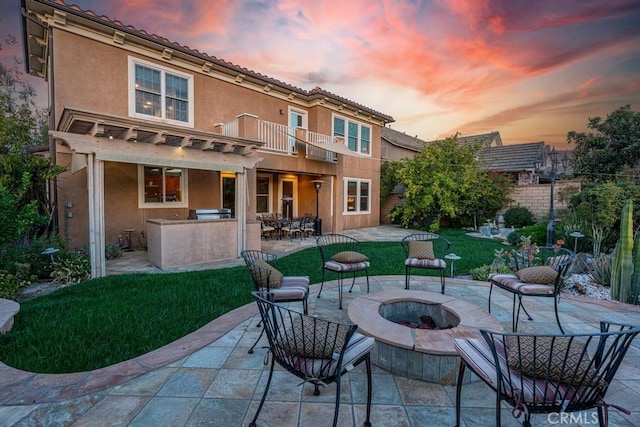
(8, 309)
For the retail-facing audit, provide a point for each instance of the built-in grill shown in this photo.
(221, 213)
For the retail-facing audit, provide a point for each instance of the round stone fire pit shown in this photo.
(419, 315)
(425, 354)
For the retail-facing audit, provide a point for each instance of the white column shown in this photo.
(95, 195)
(98, 196)
(241, 208)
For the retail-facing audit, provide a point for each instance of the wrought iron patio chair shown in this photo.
(544, 374)
(308, 225)
(292, 228)
(266, 229)
(265, 276)
(537, 272)
(340, 255)
(315, 350)
(425, 251)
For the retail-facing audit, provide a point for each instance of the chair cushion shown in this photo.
(358, 346)
(421, 250)
(511, 283)
(263, 276)
(346, 267)
(348, 257)
(562, 359)
(425, 263)
(542, 275)
(283, 294)
(315, 338)
(292, 288)
(477, 354)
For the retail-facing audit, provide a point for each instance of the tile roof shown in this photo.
(511, 157)
(116, 24)
(402, 140)
(413, 143)
(485, 139)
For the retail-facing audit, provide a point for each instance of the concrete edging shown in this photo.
(8, 310)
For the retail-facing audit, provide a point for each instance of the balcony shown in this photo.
(278, 138)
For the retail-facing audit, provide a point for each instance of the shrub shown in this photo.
(11, 284)
(514, 237)
(112, 251)
(537, 232)
(71, 268)
(518, 216)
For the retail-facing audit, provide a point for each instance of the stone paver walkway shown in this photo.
(207, 378)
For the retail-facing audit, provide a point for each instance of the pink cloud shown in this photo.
(481, 63)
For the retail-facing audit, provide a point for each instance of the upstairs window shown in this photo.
(159, 93)
(356, 135)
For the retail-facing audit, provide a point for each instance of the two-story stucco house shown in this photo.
(151, 130)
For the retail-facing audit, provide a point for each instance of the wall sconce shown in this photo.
(281, 112)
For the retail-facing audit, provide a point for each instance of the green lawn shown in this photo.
(111, 319)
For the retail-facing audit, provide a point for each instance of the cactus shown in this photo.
(635, 279)
(622, 262)
(601, 270)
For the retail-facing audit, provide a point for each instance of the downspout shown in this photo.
(52, 125)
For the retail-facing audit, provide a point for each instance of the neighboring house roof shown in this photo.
(36, 56)
(511, 158)
(491, 139)
(402, 140)
(413, 143)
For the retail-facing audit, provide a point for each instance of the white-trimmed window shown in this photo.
(356, 135)
(357, 195)
(160, 93)
(162, 186)
(263, 193)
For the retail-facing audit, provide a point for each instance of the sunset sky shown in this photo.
(532, 70)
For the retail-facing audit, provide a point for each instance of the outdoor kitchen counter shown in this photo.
(176, 243)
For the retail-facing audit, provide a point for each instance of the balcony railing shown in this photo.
(318, 153)
(277, 137)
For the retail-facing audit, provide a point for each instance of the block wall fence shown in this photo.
(535, 197)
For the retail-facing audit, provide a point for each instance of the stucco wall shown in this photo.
(91, 73)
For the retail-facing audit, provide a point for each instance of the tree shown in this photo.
(388, 179)
(490, 193)
(23, 127)
(444, 181)
(597, 206)
(613, 148)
